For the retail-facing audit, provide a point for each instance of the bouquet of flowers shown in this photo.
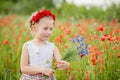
(78, 48)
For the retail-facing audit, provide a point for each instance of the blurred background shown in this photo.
(97, 20)
(76, 9)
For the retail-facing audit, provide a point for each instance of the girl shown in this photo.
(37, 54)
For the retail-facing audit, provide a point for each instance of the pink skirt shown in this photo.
(36, 77)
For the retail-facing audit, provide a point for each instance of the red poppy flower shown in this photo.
(81, 55)
(93, 62)
(101, 28)
(118, 55)
(102, 38)
(6, 42)
(67, 32)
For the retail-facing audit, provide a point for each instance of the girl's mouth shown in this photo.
(46, 36)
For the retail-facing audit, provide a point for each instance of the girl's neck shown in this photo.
(39, 42)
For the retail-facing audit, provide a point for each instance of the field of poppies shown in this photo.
(101, 63)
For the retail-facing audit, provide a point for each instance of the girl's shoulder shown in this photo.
(28, 43)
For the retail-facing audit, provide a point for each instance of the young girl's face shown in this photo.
(44, 28)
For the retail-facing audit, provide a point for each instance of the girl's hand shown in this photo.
(48, 72)
(62, 65)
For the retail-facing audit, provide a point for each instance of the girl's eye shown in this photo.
(45, 28)
(51, 28)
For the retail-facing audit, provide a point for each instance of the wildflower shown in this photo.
(87, 72)
(93, 59)
(102, 38)
(81, 55)
(101, 60)
(58, 39)
(80, 32)
(114, 22)
(78, 25)
(67, 32)
(109, 38)
(118, 55)
(96, 37)
(95, 48)
(93, 62)
(69, 69)
(87, 76)
(82, 46)
(101, 28)
(66, 46)
(6, 42)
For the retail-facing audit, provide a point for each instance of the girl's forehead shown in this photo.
(46, 21)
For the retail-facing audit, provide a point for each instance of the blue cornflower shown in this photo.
(82, 46)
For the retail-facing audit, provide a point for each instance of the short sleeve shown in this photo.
(27, 45)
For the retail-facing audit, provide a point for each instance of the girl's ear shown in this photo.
(33, 28)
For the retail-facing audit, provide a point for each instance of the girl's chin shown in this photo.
(45, 39)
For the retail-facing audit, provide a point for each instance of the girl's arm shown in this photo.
(61, 65)
(57, 55)
(25, 68)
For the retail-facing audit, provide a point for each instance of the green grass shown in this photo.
(107, 64)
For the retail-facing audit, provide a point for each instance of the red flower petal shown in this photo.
(6, 42)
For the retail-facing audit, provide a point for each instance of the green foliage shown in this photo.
(113, 12)
(77, 12)
(94, 12)
(69, 10)
(66, 10)
(24, 6)
(29, 6)
(70, 54)
(5, 6)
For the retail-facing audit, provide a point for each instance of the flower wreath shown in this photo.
(42, 14)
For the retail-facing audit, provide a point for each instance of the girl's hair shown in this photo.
(36, 16)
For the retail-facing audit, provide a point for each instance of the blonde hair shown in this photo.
(30, 22)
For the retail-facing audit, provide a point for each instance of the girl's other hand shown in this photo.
(62, 65)
(48, 72)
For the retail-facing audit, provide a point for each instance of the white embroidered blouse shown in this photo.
(40, 56)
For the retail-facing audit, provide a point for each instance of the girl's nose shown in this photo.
(49, 32)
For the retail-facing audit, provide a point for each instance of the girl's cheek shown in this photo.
(42, 32)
